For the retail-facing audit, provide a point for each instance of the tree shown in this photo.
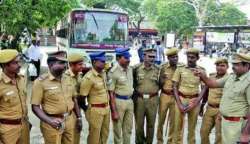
(182, 16)
(225, 14)
(16, 15)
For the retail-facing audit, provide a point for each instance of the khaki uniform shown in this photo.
(55, 98)
(146, 104)
(121, 83)
(94, 86)
(189, 88)
(167, 103)
(234, 103)
(210, 118)
(75, 80)
(13, 107)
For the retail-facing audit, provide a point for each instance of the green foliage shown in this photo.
(225, 14)
(182, 16)
(175, 17)
(15, 15)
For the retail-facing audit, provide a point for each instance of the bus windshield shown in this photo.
(99, 28)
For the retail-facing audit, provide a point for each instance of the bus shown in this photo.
(89, 30)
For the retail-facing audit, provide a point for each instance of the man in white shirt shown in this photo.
(34, 54)
(160, 57)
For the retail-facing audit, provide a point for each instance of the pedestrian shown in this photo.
(167, 100)
(121, 87)
(94, 89)
(160, 56)
(140, 50)
(146, 85)
(74, 75)
(14, 125)
(35, 56)
(235, 101)
(52, 102)
(186, 90)
(212, 117)
(4, 43)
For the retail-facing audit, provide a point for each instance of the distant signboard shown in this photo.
(170, 40)
(244, 38)
(220, 37)
(198, 40)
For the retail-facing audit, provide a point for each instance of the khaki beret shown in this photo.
(59, 53)
(193, 50)
(7, 55)
(240, 57)
(75, 57)
(221, 60)
(172, 51)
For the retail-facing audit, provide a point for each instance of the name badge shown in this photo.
(9, 93)
(146, 96)
(52, 88)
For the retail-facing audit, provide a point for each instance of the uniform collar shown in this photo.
(147, 68)
(95, 72)
(69, 72)
(123, 69)
(51, 77)
(242, 77)
(5, 78)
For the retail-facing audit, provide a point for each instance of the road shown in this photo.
(36, 137)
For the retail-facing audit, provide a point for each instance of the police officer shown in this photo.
(146, 78)
(211, 117)
(121, 86)
(167, 101)
(94, 89)
(14, 125)
(235, 101)
(186, 90)
(52, 101)
(74, 75)
(59, 53)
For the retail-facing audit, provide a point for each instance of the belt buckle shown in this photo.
(146, 96)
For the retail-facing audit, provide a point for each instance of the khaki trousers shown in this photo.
(122, 128)
(192, 121)
(99, 120)
(231, 130)
(145, 109)
(54, 136)
(167, 103)
(15, 134)
(210, 121)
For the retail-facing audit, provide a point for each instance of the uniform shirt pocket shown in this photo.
(11, 98)
(53, 93)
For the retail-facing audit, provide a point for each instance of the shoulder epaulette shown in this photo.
(42, 77)
(157, 66)
(137, 66)
(164, 64)
(88, 75)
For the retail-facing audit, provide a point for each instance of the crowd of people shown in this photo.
(126, 96)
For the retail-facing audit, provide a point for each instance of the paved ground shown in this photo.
(36, 137)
